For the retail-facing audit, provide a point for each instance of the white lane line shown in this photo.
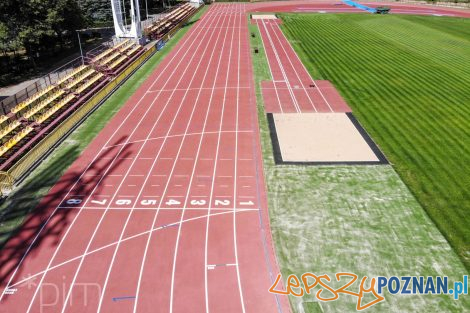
(161, 208)
(305, 69)
(174, 136)
(289, 87)
(163, 110)
(293, 67)
(175, 118)
(270, 70)
(29, 277)
(235, 182)
(182, 48)
(156, 208)
(155, 217)
(175, 256)
(193, 89)
(206, 286)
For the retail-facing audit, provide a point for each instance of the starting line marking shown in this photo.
(162, 208)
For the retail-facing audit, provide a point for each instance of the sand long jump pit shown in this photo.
(321, 139)
(264, 17)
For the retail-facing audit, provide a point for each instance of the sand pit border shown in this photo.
(375, 149)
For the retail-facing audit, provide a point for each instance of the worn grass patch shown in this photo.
(27, 195)
(359, 219)
(406, 79)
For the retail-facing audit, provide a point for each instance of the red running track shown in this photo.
(339, 7)
(166, 209)
(292, 88)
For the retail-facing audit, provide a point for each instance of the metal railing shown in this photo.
(35, 155)
(8, 103)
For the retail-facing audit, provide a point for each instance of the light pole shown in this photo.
(146, 11)
(80, 45)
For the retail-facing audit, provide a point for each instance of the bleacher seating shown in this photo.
(21, 106)
(117, 62)
(106, 61)
(117, 56)
(101, 55)
(80, 79)
(122, 44)
(161, 27)
(3, 118)
(89, 83)
(46, 115)
(41, 111)
(15, 140)
(44, 104)
(9, 128)
(74, 73)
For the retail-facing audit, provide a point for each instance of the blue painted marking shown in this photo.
(123, 298)
(360, 6)
(160, 44)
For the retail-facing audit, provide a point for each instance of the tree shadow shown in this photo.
(28, 205)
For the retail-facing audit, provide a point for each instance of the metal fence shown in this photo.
(35, 155)
(8, 103)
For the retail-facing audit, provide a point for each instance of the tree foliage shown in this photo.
(96, 11)
(38, 25)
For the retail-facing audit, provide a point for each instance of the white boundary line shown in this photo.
(182, 102)
(175, 256)
(281, 67)
(177, 135)
(293, 67)
(305, 69)
(215, 166)
(144, 257)
(96, 157)
(180, 48)
(117, 190)
(150, 208)
(242, 17)
(271, 71)
(18, 283)
(193, 88)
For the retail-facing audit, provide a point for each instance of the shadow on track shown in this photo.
(25, 205)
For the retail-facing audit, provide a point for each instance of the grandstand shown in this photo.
(163, 26)
(32, 123)
(30, 120)
(113, 60)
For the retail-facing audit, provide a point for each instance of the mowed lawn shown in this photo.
(407, 79)
(357, 219)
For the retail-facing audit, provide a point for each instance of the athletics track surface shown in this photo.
(292, 88)
(166, 209)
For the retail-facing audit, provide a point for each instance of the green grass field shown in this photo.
(407, 80)
(27, 195)
(359, 219)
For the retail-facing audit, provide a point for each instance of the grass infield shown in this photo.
(27, 195)
(407, 80)
(359, 219)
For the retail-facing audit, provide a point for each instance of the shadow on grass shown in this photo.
(44, 225)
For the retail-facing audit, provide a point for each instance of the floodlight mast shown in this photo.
(120, 29)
